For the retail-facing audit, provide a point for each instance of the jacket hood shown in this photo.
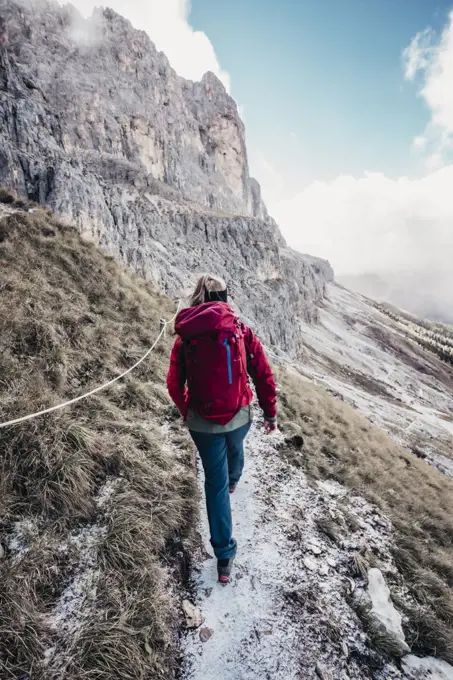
(203, 319)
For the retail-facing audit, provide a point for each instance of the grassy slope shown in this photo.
(343, 445)
(71, 319)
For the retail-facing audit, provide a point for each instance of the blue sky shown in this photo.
(321, 81)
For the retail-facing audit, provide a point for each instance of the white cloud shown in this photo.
(434, 161)
(419, 54)
(190, 52)
(374, 224)
(430, 57)
(420, 142)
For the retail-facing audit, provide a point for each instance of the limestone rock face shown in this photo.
(99, 91)
(96, 124)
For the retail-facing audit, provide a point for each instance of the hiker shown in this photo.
(208, 381)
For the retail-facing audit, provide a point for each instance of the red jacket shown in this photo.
(210, 316)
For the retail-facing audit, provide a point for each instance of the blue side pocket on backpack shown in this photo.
(230, 369)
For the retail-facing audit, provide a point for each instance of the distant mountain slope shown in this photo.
(391, 369)
(427, 294)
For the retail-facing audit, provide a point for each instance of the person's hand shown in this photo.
(270, 426)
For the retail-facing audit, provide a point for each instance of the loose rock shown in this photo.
(194, 618)
(385, 616)
(311, 564)
(323, 570)
(323, 673)
(315, 549)
(206, 634)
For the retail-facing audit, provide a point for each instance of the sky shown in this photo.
(348, 106)
(321, 82)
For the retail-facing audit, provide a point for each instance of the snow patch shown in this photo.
(18, 542)
(106, 492)
(80, 594)
(427, 669)
(78, 600)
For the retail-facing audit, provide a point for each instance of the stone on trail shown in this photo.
(194, 618)
(315, 549)
(2, 552)
(386, 617)
(206, 634)
(428, 668)
(323, 570)
(323, 673)
(311, 564)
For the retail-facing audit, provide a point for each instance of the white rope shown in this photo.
(164, 325)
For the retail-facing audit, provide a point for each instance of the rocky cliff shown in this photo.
(96, 124)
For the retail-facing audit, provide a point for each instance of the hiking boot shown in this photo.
(224, 568)
(233, 487)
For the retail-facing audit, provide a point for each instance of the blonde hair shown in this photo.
(206, 284)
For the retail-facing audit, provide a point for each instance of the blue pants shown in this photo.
(222, 456)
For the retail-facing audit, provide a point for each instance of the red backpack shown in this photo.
(215, 360)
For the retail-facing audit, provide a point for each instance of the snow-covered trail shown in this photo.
(285, 615)
(251, 636)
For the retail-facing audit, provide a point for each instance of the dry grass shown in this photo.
(10, 199)
(71, 319)
(6, 196)
(344, 446)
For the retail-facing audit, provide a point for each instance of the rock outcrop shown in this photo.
(386, 620)
(96, 124)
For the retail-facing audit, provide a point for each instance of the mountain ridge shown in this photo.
(152, 166)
